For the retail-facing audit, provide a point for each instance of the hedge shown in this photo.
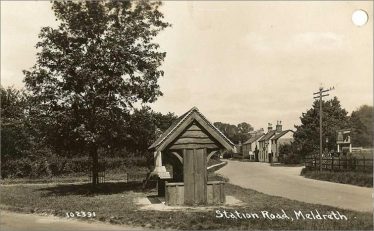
(26, 167)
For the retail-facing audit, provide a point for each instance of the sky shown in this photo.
(254, 62)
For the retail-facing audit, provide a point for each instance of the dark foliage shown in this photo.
(61, 166)
(288, 154)
(362, 123)
(92, 69)
(307, 134)
(236, 134)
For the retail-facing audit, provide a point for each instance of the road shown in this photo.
(287, 182)
(10, 221)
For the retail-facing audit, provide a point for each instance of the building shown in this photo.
(282, 138)
(188, 144)
(271, 142)
(250, 148)
(265, 144)
(343, 141)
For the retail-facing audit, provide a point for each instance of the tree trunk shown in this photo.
(95, 166)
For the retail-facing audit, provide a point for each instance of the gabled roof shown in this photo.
(267, 136)
(182, 122)
(254, 138)
(279, 135)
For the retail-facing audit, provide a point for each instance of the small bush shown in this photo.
(228, 154)
(290, 158)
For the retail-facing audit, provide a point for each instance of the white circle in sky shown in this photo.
(360, 17)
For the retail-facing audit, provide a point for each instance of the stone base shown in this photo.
(161, 172)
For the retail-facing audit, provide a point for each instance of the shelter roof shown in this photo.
(182, 122)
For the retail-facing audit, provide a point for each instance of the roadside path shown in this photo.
(10, 221)
(287, 182)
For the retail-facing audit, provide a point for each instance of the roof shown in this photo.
(267, 136)
(254, 138)
(178, 125)
(279, 135)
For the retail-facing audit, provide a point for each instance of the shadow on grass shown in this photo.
(87, 189)
(154, 199)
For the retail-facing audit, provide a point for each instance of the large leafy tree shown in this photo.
(14, 134)
(92, 68)
(361, 122)
(239, 133)
(307, 134)
(145, 126)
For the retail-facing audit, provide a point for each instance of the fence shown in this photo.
(127, 177)
(340, 164)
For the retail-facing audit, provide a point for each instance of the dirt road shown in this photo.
(287, 182)
(10, 221)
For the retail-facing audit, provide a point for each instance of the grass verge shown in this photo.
(353, 178)
(115, 203)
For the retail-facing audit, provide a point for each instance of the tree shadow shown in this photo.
(87, 189)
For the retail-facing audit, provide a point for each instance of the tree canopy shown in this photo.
(236, 134)
(306, 136)
(361, 122)
(14, 133)
(92, 69)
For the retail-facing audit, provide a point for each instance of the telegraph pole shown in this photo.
(320, 95)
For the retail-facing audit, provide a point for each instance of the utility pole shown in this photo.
(320, 95)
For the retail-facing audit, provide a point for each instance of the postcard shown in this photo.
(186, 115)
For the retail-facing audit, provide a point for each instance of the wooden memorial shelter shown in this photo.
(192, 140)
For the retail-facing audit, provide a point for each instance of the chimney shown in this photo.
(270, 127)
(278, 128)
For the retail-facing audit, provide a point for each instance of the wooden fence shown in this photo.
(340, 164)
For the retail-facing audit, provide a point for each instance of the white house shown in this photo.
(269, 144)
(251, 147)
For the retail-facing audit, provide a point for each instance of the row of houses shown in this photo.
(264, 147)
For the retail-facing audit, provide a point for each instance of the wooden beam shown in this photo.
(193, 127)
(194, 134)
(176, 154)
(194, 141)
(213, 133)
(176, 133)
(210, 155)
(193, 146)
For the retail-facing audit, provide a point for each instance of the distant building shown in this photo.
(265, 144)
(284, 137)
(343, 141)
(251, 148)
(269, 144)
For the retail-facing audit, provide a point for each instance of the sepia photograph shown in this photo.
(186, 115)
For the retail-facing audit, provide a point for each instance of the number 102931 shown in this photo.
(80, 214)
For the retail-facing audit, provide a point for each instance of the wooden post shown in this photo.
(166, 194)
(364, 163)
(332, 163)
(339, 163)
(161, 187)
